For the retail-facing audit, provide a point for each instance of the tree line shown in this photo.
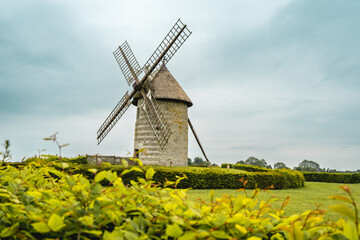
(304, 166)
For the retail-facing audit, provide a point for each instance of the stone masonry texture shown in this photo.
(175, 152)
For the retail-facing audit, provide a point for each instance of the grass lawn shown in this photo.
(301, 199)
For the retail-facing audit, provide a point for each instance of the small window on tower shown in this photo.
(138, 113)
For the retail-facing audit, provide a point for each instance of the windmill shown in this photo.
(162, 122)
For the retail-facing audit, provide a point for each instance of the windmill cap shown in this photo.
(165, 86)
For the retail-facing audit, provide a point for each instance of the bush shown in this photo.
(33, 205)
(248, 168)
(51, 158)
(332, 177)
(290, 179)
(209, 178)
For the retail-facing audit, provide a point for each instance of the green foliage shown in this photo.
(38, 202)
(308, 166)
(332, 177)
(50, 158)
(198, 162)
(208, 178)
(255, 162)
(280, 165)
(283, 178)
(245, 167)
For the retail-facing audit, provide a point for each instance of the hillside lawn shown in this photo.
(301, 199)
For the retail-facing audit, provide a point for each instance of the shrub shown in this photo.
(332, 177)
(50, 158)
(33, 205)
(209, 178)
(248, 168)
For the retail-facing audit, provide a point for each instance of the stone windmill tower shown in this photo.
(173, 102)
(162, 120)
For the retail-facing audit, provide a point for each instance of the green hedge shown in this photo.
(50, 158)
(208, 178)
(332, 177)
(197, 177)
(248, 168)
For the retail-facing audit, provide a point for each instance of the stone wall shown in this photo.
(175, 152)
(114, 160)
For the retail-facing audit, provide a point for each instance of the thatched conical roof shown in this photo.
(165, 86)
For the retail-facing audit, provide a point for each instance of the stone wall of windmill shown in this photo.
(173, 103)
(175, 152)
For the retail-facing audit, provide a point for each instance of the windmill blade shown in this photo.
(126, 60)
(114, 116)
(156, 120)
(166, 49)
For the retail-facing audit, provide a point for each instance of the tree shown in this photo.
(253, 161)
(189, 161)
(199, 161)
(280, 165)
(256, 162)
(241, 162)
(309, 166)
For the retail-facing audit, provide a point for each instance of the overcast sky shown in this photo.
(278, 80)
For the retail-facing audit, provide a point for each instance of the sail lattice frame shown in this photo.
(156, 120)
(167, 48)
(129, 56)
(114, 117)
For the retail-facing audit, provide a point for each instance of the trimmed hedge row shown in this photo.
(332, 177)
(248, 168)
(207, 178)
(197, 177)
(50, 158)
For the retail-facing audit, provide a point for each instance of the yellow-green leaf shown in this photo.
(274, 216)
(56, 222)
(241, 229)
(350, 231)
(87, 220)
(150, 173)
(93, 170)
(63, 165)
(100, 176)
(298, 233)
(41, 227)
(124, 162)
(344, 210)
(35, 194)
(93, 232)
(96, 189)
(139, 162)
(219, 220)
(188, 235)
(111, 176)
(174, 230)
(220, 234)
(277, 236)
(341, 198)
(136, 169)
(7, 232)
